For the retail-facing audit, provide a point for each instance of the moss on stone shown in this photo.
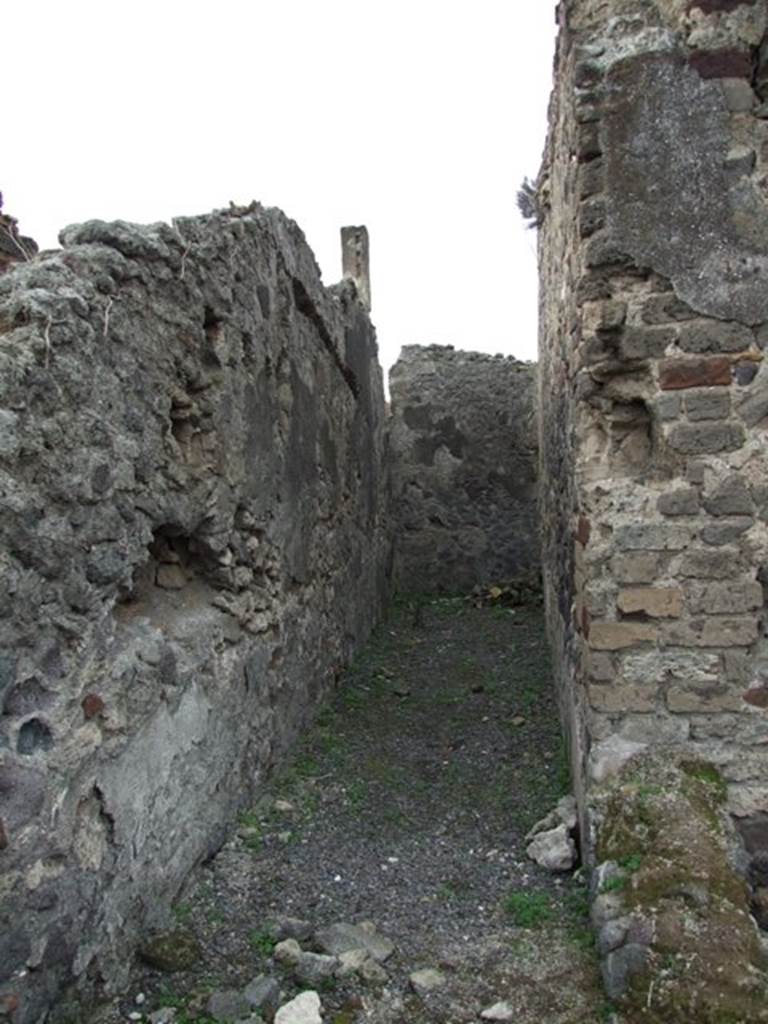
(705, 962)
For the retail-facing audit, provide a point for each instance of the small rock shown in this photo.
(228, 1005)
(304, 1009)
(165, 1015)
(176, 950)
(290, 928)
(372, 973)
(314, 968)
(284, 807)
(287, 952)
(351, 961)
(341, 937)
(620, 966)
(553, 850)
(518, 720)
(140, 999)
(499, 1011)
(427, 980)
(263, 994)
(135, 1015)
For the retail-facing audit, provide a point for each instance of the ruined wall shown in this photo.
(193, 543)
(463, 445)
(14, 247)
(654, 386)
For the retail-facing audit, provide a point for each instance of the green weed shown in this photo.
(261, 941)
(528, 908)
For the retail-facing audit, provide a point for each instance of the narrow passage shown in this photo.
(407, 806)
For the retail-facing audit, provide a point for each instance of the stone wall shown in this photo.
(193, 543)
(463, 442)
(654, 388)
(654, 385)
(14, 247)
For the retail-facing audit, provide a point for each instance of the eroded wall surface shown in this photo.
(193, 544)
(654, 384)
(463, 442)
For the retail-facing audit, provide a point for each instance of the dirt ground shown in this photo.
(407, 805)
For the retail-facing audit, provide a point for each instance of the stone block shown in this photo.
(702, 698)
(620, 698)
(740, 631)
(653, 537)
(708, 405)
(668, 406)
(656, 602)
(682, 502)
(636, 567)
(707, 564)
(706, 438)
(723, 598)
(726, 531)
(615, 636)
(701, 336)
(744, 372)
(670, 665)
(731, 497)
(645, 342)
(620, 967)
(709, 371)
(738, 95)
(608, 315)
(600, 667)
(666, 308)
(754, 406)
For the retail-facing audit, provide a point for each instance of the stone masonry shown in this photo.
(654, 386)
(463, 441)
(194, 541)
(14, 247)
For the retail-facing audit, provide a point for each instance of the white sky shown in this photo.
(418, 119)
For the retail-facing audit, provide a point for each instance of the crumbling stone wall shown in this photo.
(193, 542)
(654, 387)
(14, 247)
(463, 443)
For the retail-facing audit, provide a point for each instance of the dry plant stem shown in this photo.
(17, 243)
(107, 310)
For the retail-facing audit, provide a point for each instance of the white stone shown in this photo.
(304, 1009)
(499, 1011)
(553, 850)
(426, 980)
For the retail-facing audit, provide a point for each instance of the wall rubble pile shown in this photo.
(194, 541)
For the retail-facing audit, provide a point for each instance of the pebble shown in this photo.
(427, 980)
(499, 1011)
(263, 993)
(287, 952)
